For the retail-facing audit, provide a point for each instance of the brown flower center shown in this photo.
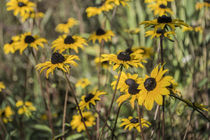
(150, 84)
(133, 89)
(134, 120)
(29, 39)
(100, 32)
(163, 6)
(207, 1)
(128, 50)
(124, 56)
(69, 40)
(88, 97)
(130, 82)
(164, 19)
(85, 119)
(21, 4)
(57, 58)
(11, 41)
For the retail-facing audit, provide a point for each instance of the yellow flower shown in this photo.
(10, 47)
(25, 108)
(133, 122)
(21, 7)
(153, 87)
(159, 8)
(84, 82)
(65, 42)
(132, 31)
(90, 99)
(64, 28)
(104, 64)
(78, 124)
(172, 87)
(163, 22)
(147, 51)
(118, 2)
(124, 58)
(62, 62)
(200, 5)
(32, 15)
(101, 34)
(2, 86)
(190, 28)
(28, 40)
(158, 33)
(6, 114)
(163, 1)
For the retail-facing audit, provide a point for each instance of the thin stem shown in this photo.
(77, 104)
(185, 134)
(118, 112)
(195, 108)
(110, 107)
(141, 128)
(64, 112)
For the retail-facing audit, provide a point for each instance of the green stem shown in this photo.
(118, 112)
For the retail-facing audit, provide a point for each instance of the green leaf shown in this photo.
(42, 128)
(202, 82)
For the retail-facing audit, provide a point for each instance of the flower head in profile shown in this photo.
(10, 46)
(126, 58)
(25, 108)
(28, 40)
(147, 52)
(173, 87)
(132, 30)
(133, 122)
(164, 22)
(192, 28)
(153, 87)
(104, 64)
(159, 33)
(78, 124)
(200, 5)
(2, 86)
(84, 82)
(160, 8)
(90, 99)
(118, 2)
(100, 35)
(32, 15)
(6, 114)
(65, 42)
(163, 1)
(21, 7)
(65, 27)
(58, 61)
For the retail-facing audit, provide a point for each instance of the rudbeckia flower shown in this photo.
(104, 64)
(100, 35)
(147, 52)
(158, 33)
(159, 8)
(78, 124)
(133, 122)
(153, 87)
(124, 58)
(84, 82)
(32, 15)
(118, 2)
(65, 42)
(6, 114)
(64, 27)
(90, 99)
(2, 86)
(163, 1)
(163, 22)
(191, 28)
(200, 5)
(21, 7)
(62, 62)
(10, 47)
(132, 30)
(25, 108)
(28, 40)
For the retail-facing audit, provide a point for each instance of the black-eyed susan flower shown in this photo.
(84, 82)
(10, 47)
(28, 40)
(163, 1)
(132, 30)
(100, 35)
(147, 51)
(21, 7)
(62, 62)
(172, 87)
(65, 27)
(25, 108)
(153, 87)
(159, 33)
(200, 5)
(125, 58)
(6, 114)
(78, 124)
(32, 15)
(160, 8)
(104, 64)
(118, 2)
(191, 28)
(133, 122)
(2, 86)
(90, 99)
(163, 22)
(65, 42)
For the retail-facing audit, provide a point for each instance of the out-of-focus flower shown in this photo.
(6, 114)
(2, 86)
(100, 35)
(25, 108)
(84, 82)
(65, 27)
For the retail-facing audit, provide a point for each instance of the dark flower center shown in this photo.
(164, 19)
(85, 119)
(100, 32)
(105, 62)
(207, 1)
(124, 56)
(3, 114)
(150, 84)
(160, 31)
(128, 50)
(29, 39)
(170, 86)
(21, 4)
(130, 82)
(133, 89)
(57, 58)
(11, 41)
(69, 40)
(134, 120)
(88, 97)
(162, 6)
